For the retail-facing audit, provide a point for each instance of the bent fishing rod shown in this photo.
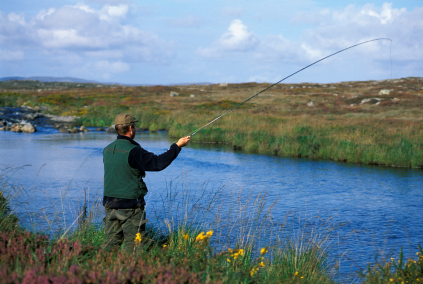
(264, 90)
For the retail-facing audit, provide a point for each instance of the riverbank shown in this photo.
(181, 254)
(372, 122)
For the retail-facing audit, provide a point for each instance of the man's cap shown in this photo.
(125, 118)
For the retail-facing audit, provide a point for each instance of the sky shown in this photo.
(192, 41)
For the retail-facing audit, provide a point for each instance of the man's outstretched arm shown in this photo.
(141, 159)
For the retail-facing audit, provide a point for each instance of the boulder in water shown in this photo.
(28, 128)
(23, 127)
(100, 129)
(74, 130)
(111, 129)
(83, 129)
(64, 130)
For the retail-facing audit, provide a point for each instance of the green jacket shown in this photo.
(120, 179)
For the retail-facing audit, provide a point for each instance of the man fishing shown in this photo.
(125, 164)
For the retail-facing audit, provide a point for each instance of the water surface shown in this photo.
(378, 209)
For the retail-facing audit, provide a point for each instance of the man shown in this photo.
(125, 164)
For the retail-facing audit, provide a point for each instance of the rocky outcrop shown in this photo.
(64, 130)
(100, 129)
(56, 118)
(23, 127)
(384, 92)
(73, 129)
(62, 125)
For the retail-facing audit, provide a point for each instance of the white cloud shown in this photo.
(81, 29)
(238, 38)
(110, 13)
(331, 31)
(386, 15)
(43, 13)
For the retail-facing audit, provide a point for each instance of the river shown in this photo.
(372, 210)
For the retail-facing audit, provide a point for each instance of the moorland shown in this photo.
(366, 122)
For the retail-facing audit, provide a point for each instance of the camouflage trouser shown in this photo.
(123, 224)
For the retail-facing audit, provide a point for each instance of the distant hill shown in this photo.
(52, 79)
(78, 80)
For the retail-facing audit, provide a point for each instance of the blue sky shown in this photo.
(188, 41)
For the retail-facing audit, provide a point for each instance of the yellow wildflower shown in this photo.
(185, 236)
(138, 237)
(241, 252)
(261, 264)
(228, 260)
(253, 271)
(263, 251)
(296, 273)
(209, 234)
(164, 246)
(200, 237)
(392, 259)
(392, 280)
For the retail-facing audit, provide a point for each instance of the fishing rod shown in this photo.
(264, 90)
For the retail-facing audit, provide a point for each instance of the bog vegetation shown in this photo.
(350, 121)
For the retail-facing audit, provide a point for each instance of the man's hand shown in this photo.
(183, 141)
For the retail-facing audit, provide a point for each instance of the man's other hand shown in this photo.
(183, 141)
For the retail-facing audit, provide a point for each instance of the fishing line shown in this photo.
(264, 90)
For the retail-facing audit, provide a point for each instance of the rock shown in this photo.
(174, 94)
(83, 129)
(100, 129)
(395, 100)
(384, 92)
(191, 96)
(28, 128)
(30, 116)
(111, 129)
(74, 130)
(23, 127)
(310, 104)
(15, 127)
(64, 130)
(371, 100)
(60, 118)
(224, 84)
(62, 125)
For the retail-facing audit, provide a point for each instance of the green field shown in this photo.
(347, 121)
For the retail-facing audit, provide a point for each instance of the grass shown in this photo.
(345, 124)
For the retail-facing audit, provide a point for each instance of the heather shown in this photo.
(348, 121)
